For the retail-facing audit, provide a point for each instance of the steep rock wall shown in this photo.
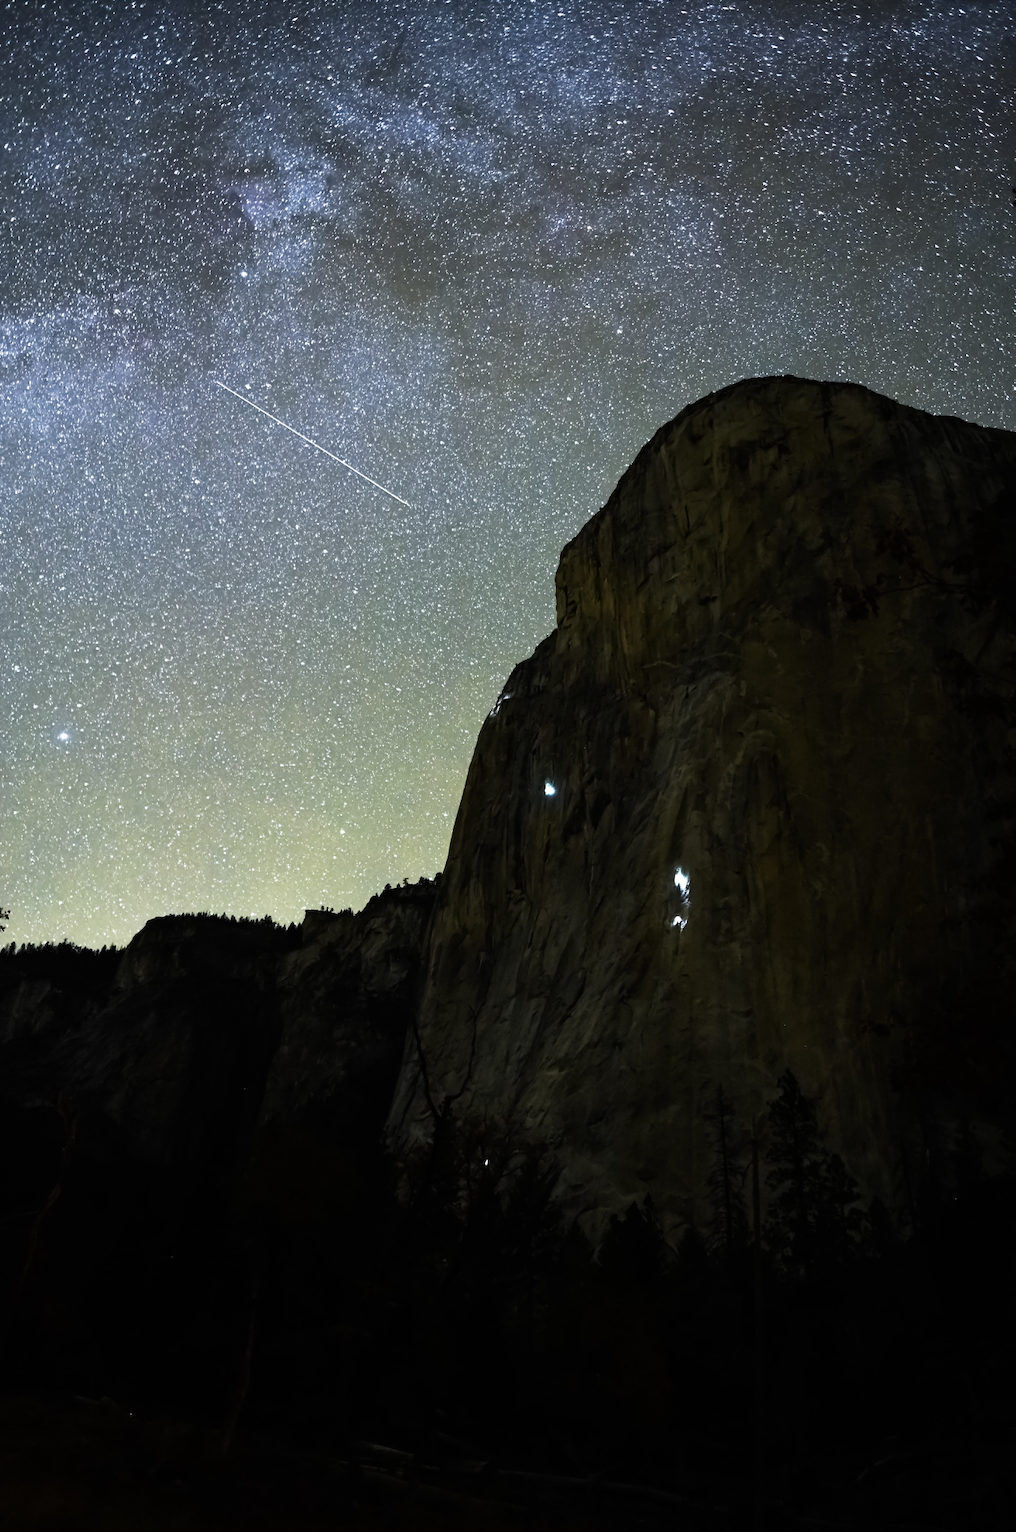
(165, 1110)
(346, 995)
(204, 1025)
(735, 814)
(169, 1056)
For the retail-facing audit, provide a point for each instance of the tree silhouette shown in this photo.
(814, 1221)
(726, 1186)
(633, 1252)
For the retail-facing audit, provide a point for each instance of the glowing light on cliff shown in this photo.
(549, 790)
(682, 883)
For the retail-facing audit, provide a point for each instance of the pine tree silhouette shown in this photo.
(814, 1222)
(633, 1252)
(726, 1186)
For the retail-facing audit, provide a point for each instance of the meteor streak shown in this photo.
(317, 445)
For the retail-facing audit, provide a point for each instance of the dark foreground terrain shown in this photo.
(318, 1334)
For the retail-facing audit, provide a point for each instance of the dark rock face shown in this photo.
(51, 990)
(203, 1024)
(173, 1056)
(135, 1082)
(747, 808)
(178, 1057)
(345, 998)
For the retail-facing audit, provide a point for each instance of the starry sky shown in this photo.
(480, 251)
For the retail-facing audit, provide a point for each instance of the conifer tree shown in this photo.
(814, 1220)
(633, 1252)
(726, 1186)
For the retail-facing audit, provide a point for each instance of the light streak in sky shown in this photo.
(317, 445)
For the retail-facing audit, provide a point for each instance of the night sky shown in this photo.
(481, 252)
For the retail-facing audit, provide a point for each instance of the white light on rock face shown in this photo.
(682, 883)
(549, 790)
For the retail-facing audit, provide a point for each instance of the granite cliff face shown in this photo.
(205, 1027)
(169, 1057)
(345, 997)
(144, 1093)
(747, 809)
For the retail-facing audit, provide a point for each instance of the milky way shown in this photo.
(481, 252)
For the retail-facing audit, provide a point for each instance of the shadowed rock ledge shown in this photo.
(746, 809)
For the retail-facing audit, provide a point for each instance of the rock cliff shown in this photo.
(751, 807)
(155, 1103)
(345, 998)
(204, 1027)
(747, 808)
(168, 1056)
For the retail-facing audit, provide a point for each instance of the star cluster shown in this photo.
(481, 251)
